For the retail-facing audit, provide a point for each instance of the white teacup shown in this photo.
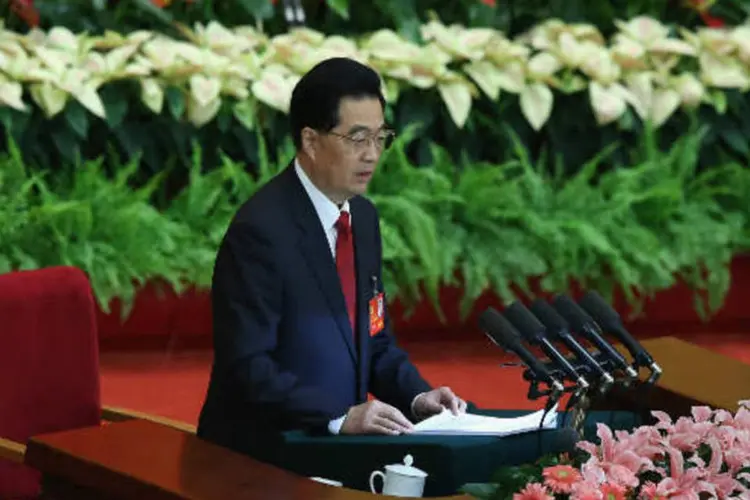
(400, 480)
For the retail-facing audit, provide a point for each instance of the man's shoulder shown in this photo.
(267, 204)
(363, 207)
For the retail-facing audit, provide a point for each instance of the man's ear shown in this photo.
(310, 142)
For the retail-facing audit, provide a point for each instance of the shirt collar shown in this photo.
(328, 212)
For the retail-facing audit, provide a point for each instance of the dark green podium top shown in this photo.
(450, 461)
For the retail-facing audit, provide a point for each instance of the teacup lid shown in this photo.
(406, 468)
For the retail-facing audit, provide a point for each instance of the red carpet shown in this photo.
(173, 384)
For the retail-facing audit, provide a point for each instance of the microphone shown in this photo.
(558, 328)
(582, 324)
(504, 335)
(534, 333)
(611, 323)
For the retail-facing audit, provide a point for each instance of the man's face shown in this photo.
(345, 158)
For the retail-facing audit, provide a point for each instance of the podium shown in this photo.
(144, 460)
(450, 461)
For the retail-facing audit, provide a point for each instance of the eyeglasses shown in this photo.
(362, 140)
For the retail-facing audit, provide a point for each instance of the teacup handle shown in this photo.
(372, 480)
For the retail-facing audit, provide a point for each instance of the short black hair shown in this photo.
(316, 97)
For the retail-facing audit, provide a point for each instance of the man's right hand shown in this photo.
(375, 417)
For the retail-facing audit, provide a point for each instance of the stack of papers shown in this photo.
(469, 424)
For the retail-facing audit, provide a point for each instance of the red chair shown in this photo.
(49, 367)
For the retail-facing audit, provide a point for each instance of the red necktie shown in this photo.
(345, 266)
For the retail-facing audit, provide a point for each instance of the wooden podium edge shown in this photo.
(79, 471)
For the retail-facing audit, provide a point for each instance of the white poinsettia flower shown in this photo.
(543, 36)
(723, 72)
(543, 65)
(586, 32)
(500, 50)
(600, 65)
(385, 46)
(11, 94)
(512, 77)
(569, 50)
(274, 87)
(641, 88)
(429, 67)
(216, 36)
(161, 52)
(152, 95)
(666, 102)
(718, 41)
(49, 97)
(536, 104)
(341, 46)
(56, 60)
(673, 46)
(608, 102)
(252, 38)
(652, 36)
(307, 35)
(487, 76)
(690, 89)
(457, 96)
(741, 38)
(200, 114)
(235, 87)
(643, 29)
(458, 41)
(63, 39)
(629, 54)
(204, 90)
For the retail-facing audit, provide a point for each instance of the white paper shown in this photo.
(467, 424)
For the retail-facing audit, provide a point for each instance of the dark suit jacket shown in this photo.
(285, 356)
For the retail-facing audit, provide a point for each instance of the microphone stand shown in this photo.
(576, 407)
(580, 402)
(581, 398)
(645, 389)
(642, 387)
(553, 396)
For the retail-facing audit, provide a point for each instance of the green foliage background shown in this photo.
(640, 228)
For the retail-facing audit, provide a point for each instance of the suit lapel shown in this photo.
(363, 245)
(314, 246)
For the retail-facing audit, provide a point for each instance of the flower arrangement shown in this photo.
(645, 66)
(706, 455)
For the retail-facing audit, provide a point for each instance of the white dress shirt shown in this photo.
(328, 213)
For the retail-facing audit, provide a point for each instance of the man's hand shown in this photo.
(433, 402)
(375, 417)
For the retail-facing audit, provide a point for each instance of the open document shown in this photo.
(466, 424)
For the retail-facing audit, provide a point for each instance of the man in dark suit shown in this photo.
(301, 332)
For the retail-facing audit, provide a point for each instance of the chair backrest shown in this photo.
(49, 362)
